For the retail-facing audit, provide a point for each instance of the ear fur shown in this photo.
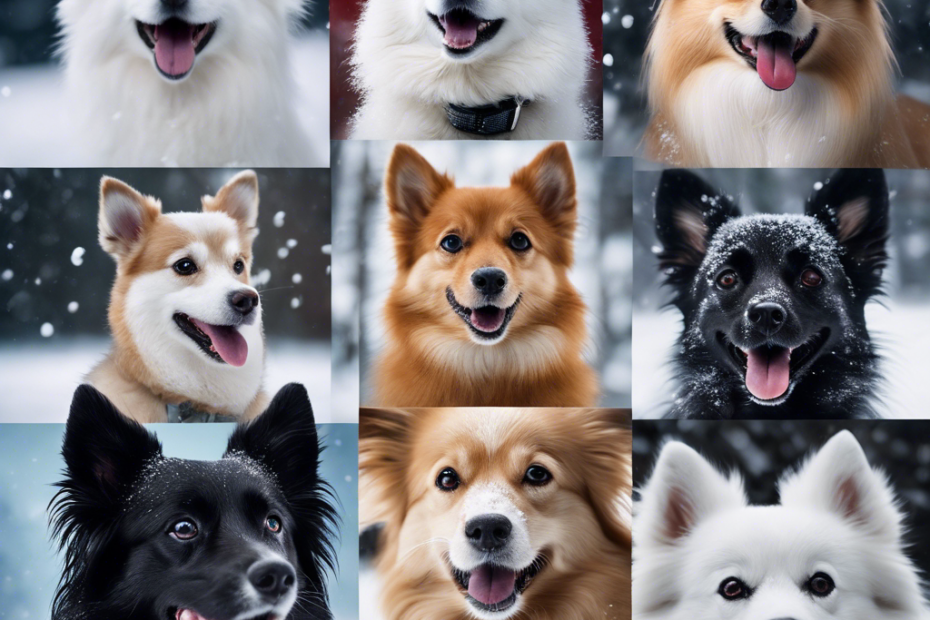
(124, 216)
(550, 181)
(238, 199)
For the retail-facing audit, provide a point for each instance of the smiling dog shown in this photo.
(482, 312)
(499, 515)
(186, 324)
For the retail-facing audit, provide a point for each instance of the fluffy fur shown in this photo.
(838, 518)
(529, 349)
(407, 75)
(154, 361)
(774, 305)
(261, 518)
(570, 528)
(234, 107)
(710, 108)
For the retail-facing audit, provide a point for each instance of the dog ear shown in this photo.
(385, 440)
(550, 181)
(124, 216)
(688, 213)
(839, 479)
(853, 206)
(238, 199)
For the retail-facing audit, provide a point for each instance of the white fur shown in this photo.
(773, 549)
(407, 78)
(234, 108)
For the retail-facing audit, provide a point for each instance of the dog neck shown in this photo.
(487, 120)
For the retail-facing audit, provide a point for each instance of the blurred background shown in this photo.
(55, 279)
(344, 100)
(363, 267)
(32, 80)
(763, 451)
(626, 29)
(897, 321)
(29, 565)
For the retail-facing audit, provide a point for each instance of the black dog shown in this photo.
(774, 305)
(147, 537)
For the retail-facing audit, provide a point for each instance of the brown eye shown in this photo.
(273, 524)
(727, 279)
(448, 480)
(811, 278)
(821, 585)
(184, 530)
(733, 589)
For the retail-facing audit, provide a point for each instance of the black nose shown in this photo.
(488, 532)
(781, 11)
(489, 280)
(174, 5)
(767, 317)
(272, 578)
(243, 301)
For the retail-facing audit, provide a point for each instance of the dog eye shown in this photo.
(537, 475)
(273, 524)
(811, 278)
(520, 242)
(451, 243)
(184, 530)
(238, 267)
(821, 585)
(727, 279)
(185, 267)
(733, 589)
(448, 480)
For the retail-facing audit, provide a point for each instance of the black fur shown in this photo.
(706, 241)
(120, 498)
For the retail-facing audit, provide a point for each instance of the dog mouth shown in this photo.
(773, 56)
(487, 322)
(493, 588)
(222, 343)
(464, 32)
(770, 369)
(175, 44)
(182, 613)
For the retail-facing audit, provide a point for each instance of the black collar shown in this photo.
(487, 120)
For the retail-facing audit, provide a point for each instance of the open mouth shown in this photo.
(176, 44)
(496, 588)
(769, 369)
(486, 322)
(463, 31)
(773, 56)
(190, 614)
(222, 343)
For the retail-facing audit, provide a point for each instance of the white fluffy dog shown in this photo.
(493, 59)
(831, 550)
(183, 82)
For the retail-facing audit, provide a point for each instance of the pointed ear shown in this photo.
(853, 206)
(838, 479)
(684, 490)
(550, 181)
(238, 199)
(124, 216)
(688, 213)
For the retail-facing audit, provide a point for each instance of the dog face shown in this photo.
(831, 550)
(482, 263)
(240, 538)
(498, 507)
(774, 301)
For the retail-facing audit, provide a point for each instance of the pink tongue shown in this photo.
(488, 319)
(227, 342)
(187, 614)
(775, 62)
(461, 29)
(491, 585)
(768, 372)
(174, 47)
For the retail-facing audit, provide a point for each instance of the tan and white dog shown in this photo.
(186, 324)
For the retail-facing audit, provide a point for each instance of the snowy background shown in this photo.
(29, 566)
(363, 268)
(897, 322)
(32, 117)
(626, 29)
(55, 279)
(762, 451)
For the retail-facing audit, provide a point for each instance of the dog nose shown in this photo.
(488, 532)
(174, 5)
(272, 578)
(243, 301)
(781, 11)
(489, 280)
(767, 316)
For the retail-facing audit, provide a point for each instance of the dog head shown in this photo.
(492, 512)
(770, 298)
(483, 262)
(244, 537)
(831, 549)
